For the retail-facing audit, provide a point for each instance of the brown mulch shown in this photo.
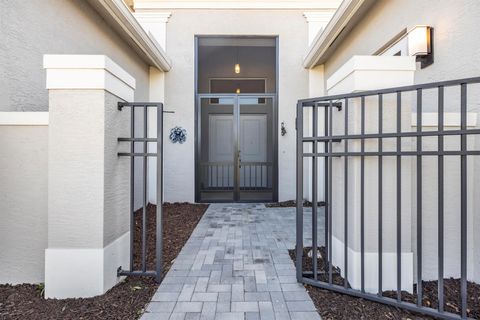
(126, 300)
(332, 305)
(292, 203)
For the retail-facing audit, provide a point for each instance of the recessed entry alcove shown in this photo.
(236, 112)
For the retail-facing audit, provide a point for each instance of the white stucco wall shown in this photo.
(183, 25)
(23, 202)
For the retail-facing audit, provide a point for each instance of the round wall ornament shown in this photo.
(178, 134)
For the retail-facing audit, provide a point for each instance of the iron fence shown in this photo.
(348, 146)
(144, 155)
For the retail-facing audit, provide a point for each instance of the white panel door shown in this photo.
(253, 148)
(221, 149)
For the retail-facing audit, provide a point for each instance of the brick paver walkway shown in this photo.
(235, 266)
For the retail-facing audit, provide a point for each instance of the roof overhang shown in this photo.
(348, 14)
(118, 16)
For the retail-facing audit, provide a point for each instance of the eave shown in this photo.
(118, 16)
(345, 18)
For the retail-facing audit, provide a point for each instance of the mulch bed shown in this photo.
(292, 203)
(332, 305)
(126, 300)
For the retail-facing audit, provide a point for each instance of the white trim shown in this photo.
(361, 73)
(323, 41)
(236, 4)
(317, 21)
(84, 272)
(389, 274)
(20, 118)
(154, 22)
(152, 16)
(451, 119)
(88, 72)
(73, 61)
(371, 63)
(119, 16)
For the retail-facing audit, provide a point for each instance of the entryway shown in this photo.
(236, 112)
(236, 148)
(236, 265)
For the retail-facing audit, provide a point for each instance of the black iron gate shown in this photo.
(350, 144)
(144, 155)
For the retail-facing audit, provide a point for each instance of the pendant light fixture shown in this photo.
(237, 64)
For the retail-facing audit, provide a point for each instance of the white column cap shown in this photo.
(88, 72)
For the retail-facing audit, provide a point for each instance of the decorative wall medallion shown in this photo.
(178, 134)
(283, 129)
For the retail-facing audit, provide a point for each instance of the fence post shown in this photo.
(299, 245)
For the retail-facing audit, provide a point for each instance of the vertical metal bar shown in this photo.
(326, 190)
(399, 197)
(216, 170)
(362, 195)
(261, 176)
(419, 199)
(132, 187)
(159, 227)
(145, 186)
(380, 196)
(299, 196)
(345, 201)
(237, 162)
(463, 192)
(330, 189)
(440, 197)
(314, 192)
(250, 168)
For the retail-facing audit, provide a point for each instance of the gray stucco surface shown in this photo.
(30, 29)
(23, 203)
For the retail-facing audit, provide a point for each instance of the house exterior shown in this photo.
(232, 72)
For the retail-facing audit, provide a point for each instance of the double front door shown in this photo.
(236, 148)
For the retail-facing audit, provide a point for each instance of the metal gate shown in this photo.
(144, 155)
(348, 140)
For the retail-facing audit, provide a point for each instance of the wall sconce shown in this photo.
(283, 130)
(420, 44)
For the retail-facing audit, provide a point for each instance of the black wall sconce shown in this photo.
(283, 129)
(420, 45)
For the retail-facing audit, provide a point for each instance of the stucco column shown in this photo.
(362, 73)
(88, 184)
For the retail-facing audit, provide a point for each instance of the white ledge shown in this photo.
(19, 118)
(88, 72)
(362, 73)
(450, 119)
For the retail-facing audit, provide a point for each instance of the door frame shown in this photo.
(275, 124)
(236, 128)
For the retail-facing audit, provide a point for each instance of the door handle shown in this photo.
(239, 160)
